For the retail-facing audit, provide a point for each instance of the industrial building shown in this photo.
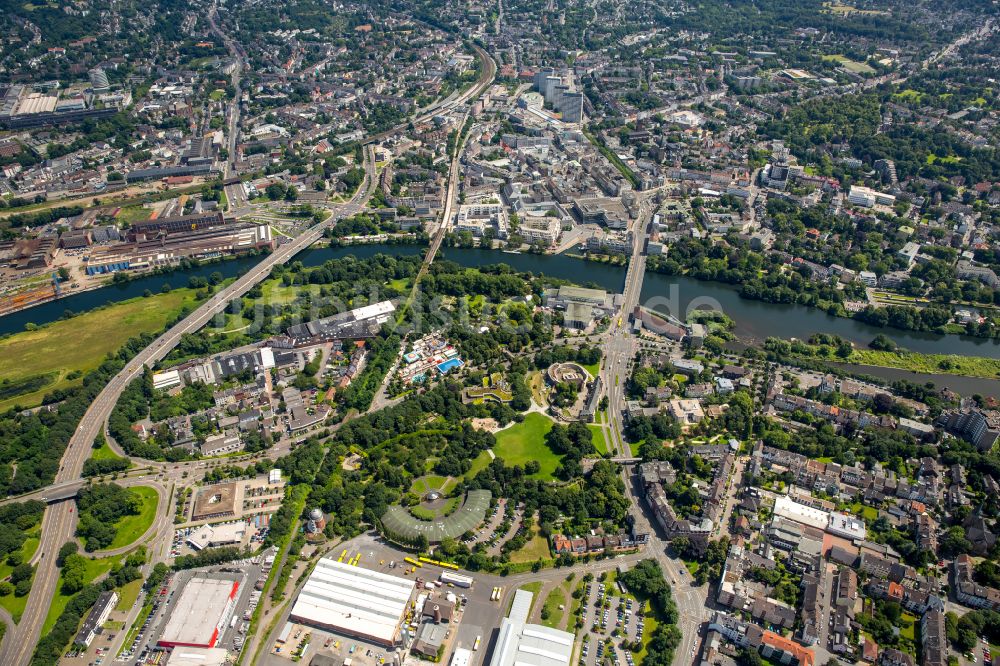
(201, 612)
(530, 644)
(352, 601)
(361, 322)
(159, 246)
(188, 656)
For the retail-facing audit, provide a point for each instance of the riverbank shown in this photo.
(58, 355)
(948, 364)
(678, 295)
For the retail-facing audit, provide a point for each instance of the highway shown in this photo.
(59, 522)
(620, 346)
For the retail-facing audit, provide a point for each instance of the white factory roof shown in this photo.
(461, 657)
(189, 656)
(355, 600)
(786, 507)
(199, 613)
(374, 310)
(520, 644)
(168, 379)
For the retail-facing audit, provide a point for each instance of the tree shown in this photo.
(74, 572)
(749, 657)
(22, 572)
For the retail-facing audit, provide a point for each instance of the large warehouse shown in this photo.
(523, 644)
(353, 601)
(201, 612)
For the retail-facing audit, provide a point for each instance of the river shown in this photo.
(755, 320)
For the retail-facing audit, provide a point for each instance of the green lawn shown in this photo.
(634, 447)
(600, 438)
(526, 441)
(94, 569)
(400, 284)
(81, 343)
(130, 528)
(105, 453)
(481, 462)
(553, 615)
(425, 484)
(537, 548)
(128, 594)
(593, 368)
(907, 623)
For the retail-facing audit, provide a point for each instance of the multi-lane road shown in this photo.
(619, 347)
(59, 521)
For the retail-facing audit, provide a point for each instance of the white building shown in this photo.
(867, 197)
(847, 526)
(477, 218)
(166, 380)
(786, 507)
(352, 601)
(524, 644)
(540, 229)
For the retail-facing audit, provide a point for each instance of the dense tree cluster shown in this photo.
(646, 581)
(101, 506)
(15, 520)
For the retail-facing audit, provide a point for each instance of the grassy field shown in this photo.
(128, 594)
(95, 569)
(969, 366)
(402, 284)
(535, 549)
(130, 528)
(600, 438)
(105, 453)
(80, 344)
(552, 614)
(526, 441)
(851, 65)
(130, 214)
(425, 484)
(15, 605)
(593, 368)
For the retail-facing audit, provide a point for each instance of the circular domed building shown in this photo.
(317, 521)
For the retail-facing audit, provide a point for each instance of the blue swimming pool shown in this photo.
(449, 365)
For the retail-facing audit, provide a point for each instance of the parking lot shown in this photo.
(610, 618)
(254, 535)
(248, 572)
(479, 615)
(304, 642)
